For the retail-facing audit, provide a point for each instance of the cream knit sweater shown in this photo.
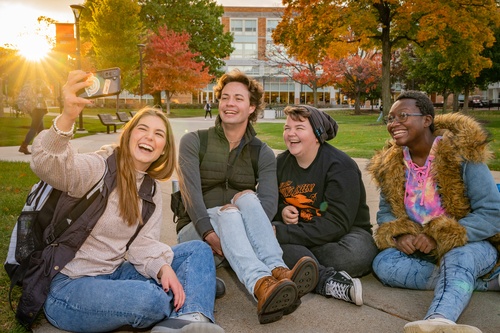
(55, 161)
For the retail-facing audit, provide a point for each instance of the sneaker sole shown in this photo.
(191, 328)
(440, 329)
(306, 276)
(280, 299)
(359, 295)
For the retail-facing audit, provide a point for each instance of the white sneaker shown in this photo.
(342, 286)
(191, 322)
(438, 325)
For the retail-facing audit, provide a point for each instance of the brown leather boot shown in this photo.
(273, 297)
(24, 149)
(304, 274)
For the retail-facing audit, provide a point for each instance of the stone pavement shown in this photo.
(385, 310)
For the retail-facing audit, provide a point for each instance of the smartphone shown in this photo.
(105, 82)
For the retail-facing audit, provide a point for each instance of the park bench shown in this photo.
(108, 121)
(132, 113)
(122, 116)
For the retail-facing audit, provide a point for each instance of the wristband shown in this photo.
(62, 133)
(207, 233)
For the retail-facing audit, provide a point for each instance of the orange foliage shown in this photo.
(170, 66)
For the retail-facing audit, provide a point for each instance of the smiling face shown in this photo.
(147, 141)
(300, 140)
(234, 104)
(409, 132)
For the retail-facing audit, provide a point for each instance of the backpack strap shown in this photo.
(62, 224)
(146, 193)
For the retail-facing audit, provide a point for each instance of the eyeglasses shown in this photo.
(401, 118)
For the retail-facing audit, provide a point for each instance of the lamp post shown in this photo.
(77, 11)
(141, 48)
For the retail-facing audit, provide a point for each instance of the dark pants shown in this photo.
(208, 112)
(36, 125)
(353, 253)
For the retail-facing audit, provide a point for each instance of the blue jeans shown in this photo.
(453, 281)
(247, 239)
(125, 297)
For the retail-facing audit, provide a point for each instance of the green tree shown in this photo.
(492, 74)
(317, 28)
(201, 19)
(115, 30)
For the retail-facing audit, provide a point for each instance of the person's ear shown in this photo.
(428, 119)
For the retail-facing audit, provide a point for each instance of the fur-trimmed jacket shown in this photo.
(466, 187)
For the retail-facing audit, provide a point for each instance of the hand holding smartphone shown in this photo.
(105, 82)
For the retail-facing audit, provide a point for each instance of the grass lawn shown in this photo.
(358, 136)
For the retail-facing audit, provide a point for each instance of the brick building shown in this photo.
(252, 28)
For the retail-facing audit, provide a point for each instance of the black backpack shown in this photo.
(33, 231)
(49, 217)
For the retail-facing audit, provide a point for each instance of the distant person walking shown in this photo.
(32, 101)
(208, 110)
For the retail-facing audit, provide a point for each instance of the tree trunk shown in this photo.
(456, 103)
(357, 109)
(445, 100)
(157, 98)
(315, 94)
(386, 70)
(1, 97)
(167, 101)
(465, 109)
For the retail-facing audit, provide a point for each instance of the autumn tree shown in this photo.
(356, 75)
(171, 67)
(115, 30)
(309, 74)
(313, 29)
(201, 19)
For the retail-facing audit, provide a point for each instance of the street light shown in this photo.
(77, 11)
(141, 48)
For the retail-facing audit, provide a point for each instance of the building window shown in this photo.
(244, 27)
(249, 70)
(271, 25)
(244, 51)
(245, 38)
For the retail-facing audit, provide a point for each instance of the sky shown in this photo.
(18, 17)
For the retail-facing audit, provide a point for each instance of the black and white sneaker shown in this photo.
(342, 286)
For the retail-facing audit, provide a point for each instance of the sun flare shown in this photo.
(33, 47)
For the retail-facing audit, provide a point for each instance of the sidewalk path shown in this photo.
(385, 310)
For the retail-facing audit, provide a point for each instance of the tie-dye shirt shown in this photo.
(422, 199)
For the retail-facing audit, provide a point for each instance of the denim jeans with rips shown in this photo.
(126, 298)
(453, 281)
(247, 239)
